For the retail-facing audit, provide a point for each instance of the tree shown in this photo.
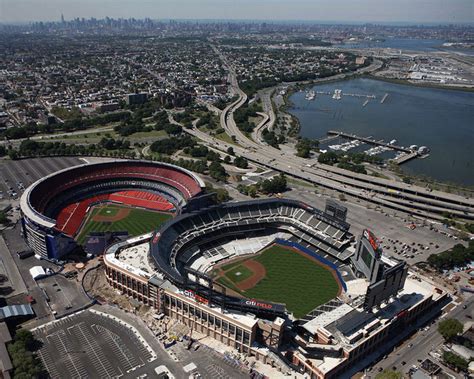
(25, 363)
(173, 129)
(218, 172)
(252, 192)
(455, 360)
(304, 146)
(389, 374)
(230, 150)
(328, 158)
(275, 185)
(450, 328)
(457, 256)
(222, 195)
(241, 162)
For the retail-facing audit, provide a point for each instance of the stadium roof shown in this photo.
(16, 310)
(353, 321)
(327, 318)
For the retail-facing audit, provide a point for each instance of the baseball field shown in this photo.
(114, 218)
(282, 275)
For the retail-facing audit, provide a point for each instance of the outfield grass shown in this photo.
(138, 221)
(239, 273)
(294, 280)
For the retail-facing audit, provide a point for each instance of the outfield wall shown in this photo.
(312, 254)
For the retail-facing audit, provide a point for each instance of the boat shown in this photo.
(423, 150)
(310, 95)
(337, 94)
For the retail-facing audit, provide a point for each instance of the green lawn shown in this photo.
(239, 274)
(294, 280)
(226, 138)
(139, 221)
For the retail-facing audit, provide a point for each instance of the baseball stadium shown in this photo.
(133, 196)
(272, 278)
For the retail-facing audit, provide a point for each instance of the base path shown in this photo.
(259, 273)
(119, 215)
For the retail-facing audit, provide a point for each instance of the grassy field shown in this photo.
(138, 221)
(292, 279)
(226, 138)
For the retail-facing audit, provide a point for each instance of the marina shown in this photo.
(338, 95)
(411, 115)
(404, 155)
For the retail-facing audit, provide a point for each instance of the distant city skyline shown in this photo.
(346, 11)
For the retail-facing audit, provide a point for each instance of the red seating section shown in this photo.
(70, 218)
(180, 180)
(142, 199)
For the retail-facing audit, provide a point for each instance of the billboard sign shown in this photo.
(199, 299)
(263, 305)
(369, 236)
(393, 281)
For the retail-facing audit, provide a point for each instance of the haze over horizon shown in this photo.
(412, 11)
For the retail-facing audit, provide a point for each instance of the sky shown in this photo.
(419, 11)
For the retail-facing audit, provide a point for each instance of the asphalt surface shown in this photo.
(14, 285)
(91, 345)
(53, 294)
(209, 363)
(15, 242)
(19, 174)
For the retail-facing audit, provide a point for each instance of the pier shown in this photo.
(327, 139)
(370, 141)
(405, 158)
(346, 94)
(384, 98)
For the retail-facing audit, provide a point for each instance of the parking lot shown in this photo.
(88, 344)
(17, 175)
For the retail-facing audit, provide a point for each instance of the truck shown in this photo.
(25, 254)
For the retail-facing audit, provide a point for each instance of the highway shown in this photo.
(411, 199)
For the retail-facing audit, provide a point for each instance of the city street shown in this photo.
(416, 349)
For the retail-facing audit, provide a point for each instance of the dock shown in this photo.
(327, 139)
(370, 141)
(405, 158)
